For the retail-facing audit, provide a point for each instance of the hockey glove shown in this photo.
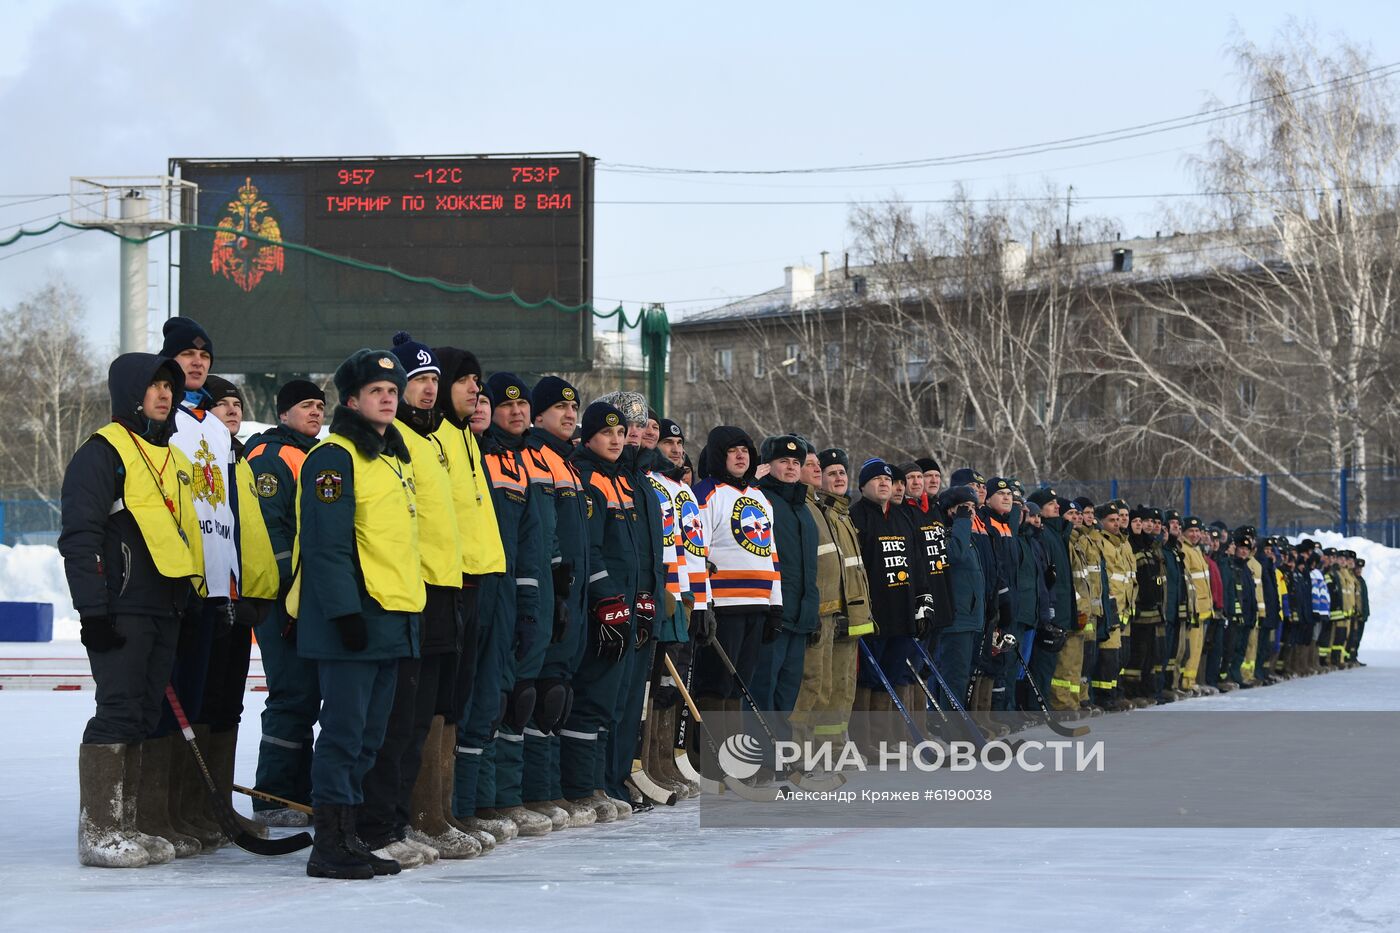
(611, 616)
(773, 625)
(644, 609)
(353, 634)
(526, 631)
(814, 639)
(1050, 638)
(923, 615)
(99, 634)
(702, 626)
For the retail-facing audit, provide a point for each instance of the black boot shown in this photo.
(330, 856)
(357, 847)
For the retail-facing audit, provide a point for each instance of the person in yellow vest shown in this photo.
(356, 597)
(384, 819)
(483, 557)
(134, 560)
(227, 679)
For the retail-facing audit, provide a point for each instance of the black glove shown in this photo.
(773, 625)
(644, 610)
(814, 639)
(353, 634)
(1004, 618)
(923, 615)
(526, 630)
(1050, 576)
(611, 616)
(99, 634)
(841, 627)
(224, 613)
(1050, 637)
(563, 574)
(289, 631)
(702, 626)
(249, 612)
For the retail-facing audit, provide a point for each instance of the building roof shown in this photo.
(1177, 256)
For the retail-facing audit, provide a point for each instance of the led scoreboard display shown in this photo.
(501, 223)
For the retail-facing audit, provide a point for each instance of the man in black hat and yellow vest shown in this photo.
(133, 556)
(356, 597)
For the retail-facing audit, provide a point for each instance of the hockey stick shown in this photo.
(706, 784)
(794, 776)
(1055, 727)
(640, 778)
(977, 737)
(273, 798)
(869, 656)
(223, 811)
(928, 694)
(688, 770)
(680, 740)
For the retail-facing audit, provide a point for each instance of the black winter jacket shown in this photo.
(893, 553)
(108, 566)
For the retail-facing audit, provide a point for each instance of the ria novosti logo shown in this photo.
(740, 756)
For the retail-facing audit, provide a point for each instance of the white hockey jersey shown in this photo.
(203, 438)
(738, 527)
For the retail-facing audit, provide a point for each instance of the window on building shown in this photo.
(792, 359)
(1390, 462)
(1080, 406)
(689, 426)
(724, 364)
(1250, 323)
(1159, 332)
(1248, 394)
(931, 407)
(692, 368)
(832, 357)
(760, 365)
(969, 416)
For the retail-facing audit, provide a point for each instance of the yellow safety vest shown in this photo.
(258, 568)
(482, 551)
(438, 544)
(386, 531)
(157, 493)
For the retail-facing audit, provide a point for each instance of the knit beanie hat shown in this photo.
(415, 357)
(597, 416)
(296, 391)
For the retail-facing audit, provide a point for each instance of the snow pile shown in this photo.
(33, 573)
(1382, 575)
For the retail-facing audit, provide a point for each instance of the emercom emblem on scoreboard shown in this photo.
(519, 225)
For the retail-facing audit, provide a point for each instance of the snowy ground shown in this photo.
(661, 870)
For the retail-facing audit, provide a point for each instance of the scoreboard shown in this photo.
(519, 224)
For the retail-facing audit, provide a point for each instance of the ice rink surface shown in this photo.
(660, 871)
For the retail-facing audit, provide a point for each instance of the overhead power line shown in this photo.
(1069, 142)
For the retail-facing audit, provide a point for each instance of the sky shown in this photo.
(116, 88)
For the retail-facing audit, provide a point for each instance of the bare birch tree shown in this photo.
(53, 382)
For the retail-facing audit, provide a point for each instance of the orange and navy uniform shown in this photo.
(275, 457)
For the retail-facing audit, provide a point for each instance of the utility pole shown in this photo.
(134, 207)
(134, 284)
